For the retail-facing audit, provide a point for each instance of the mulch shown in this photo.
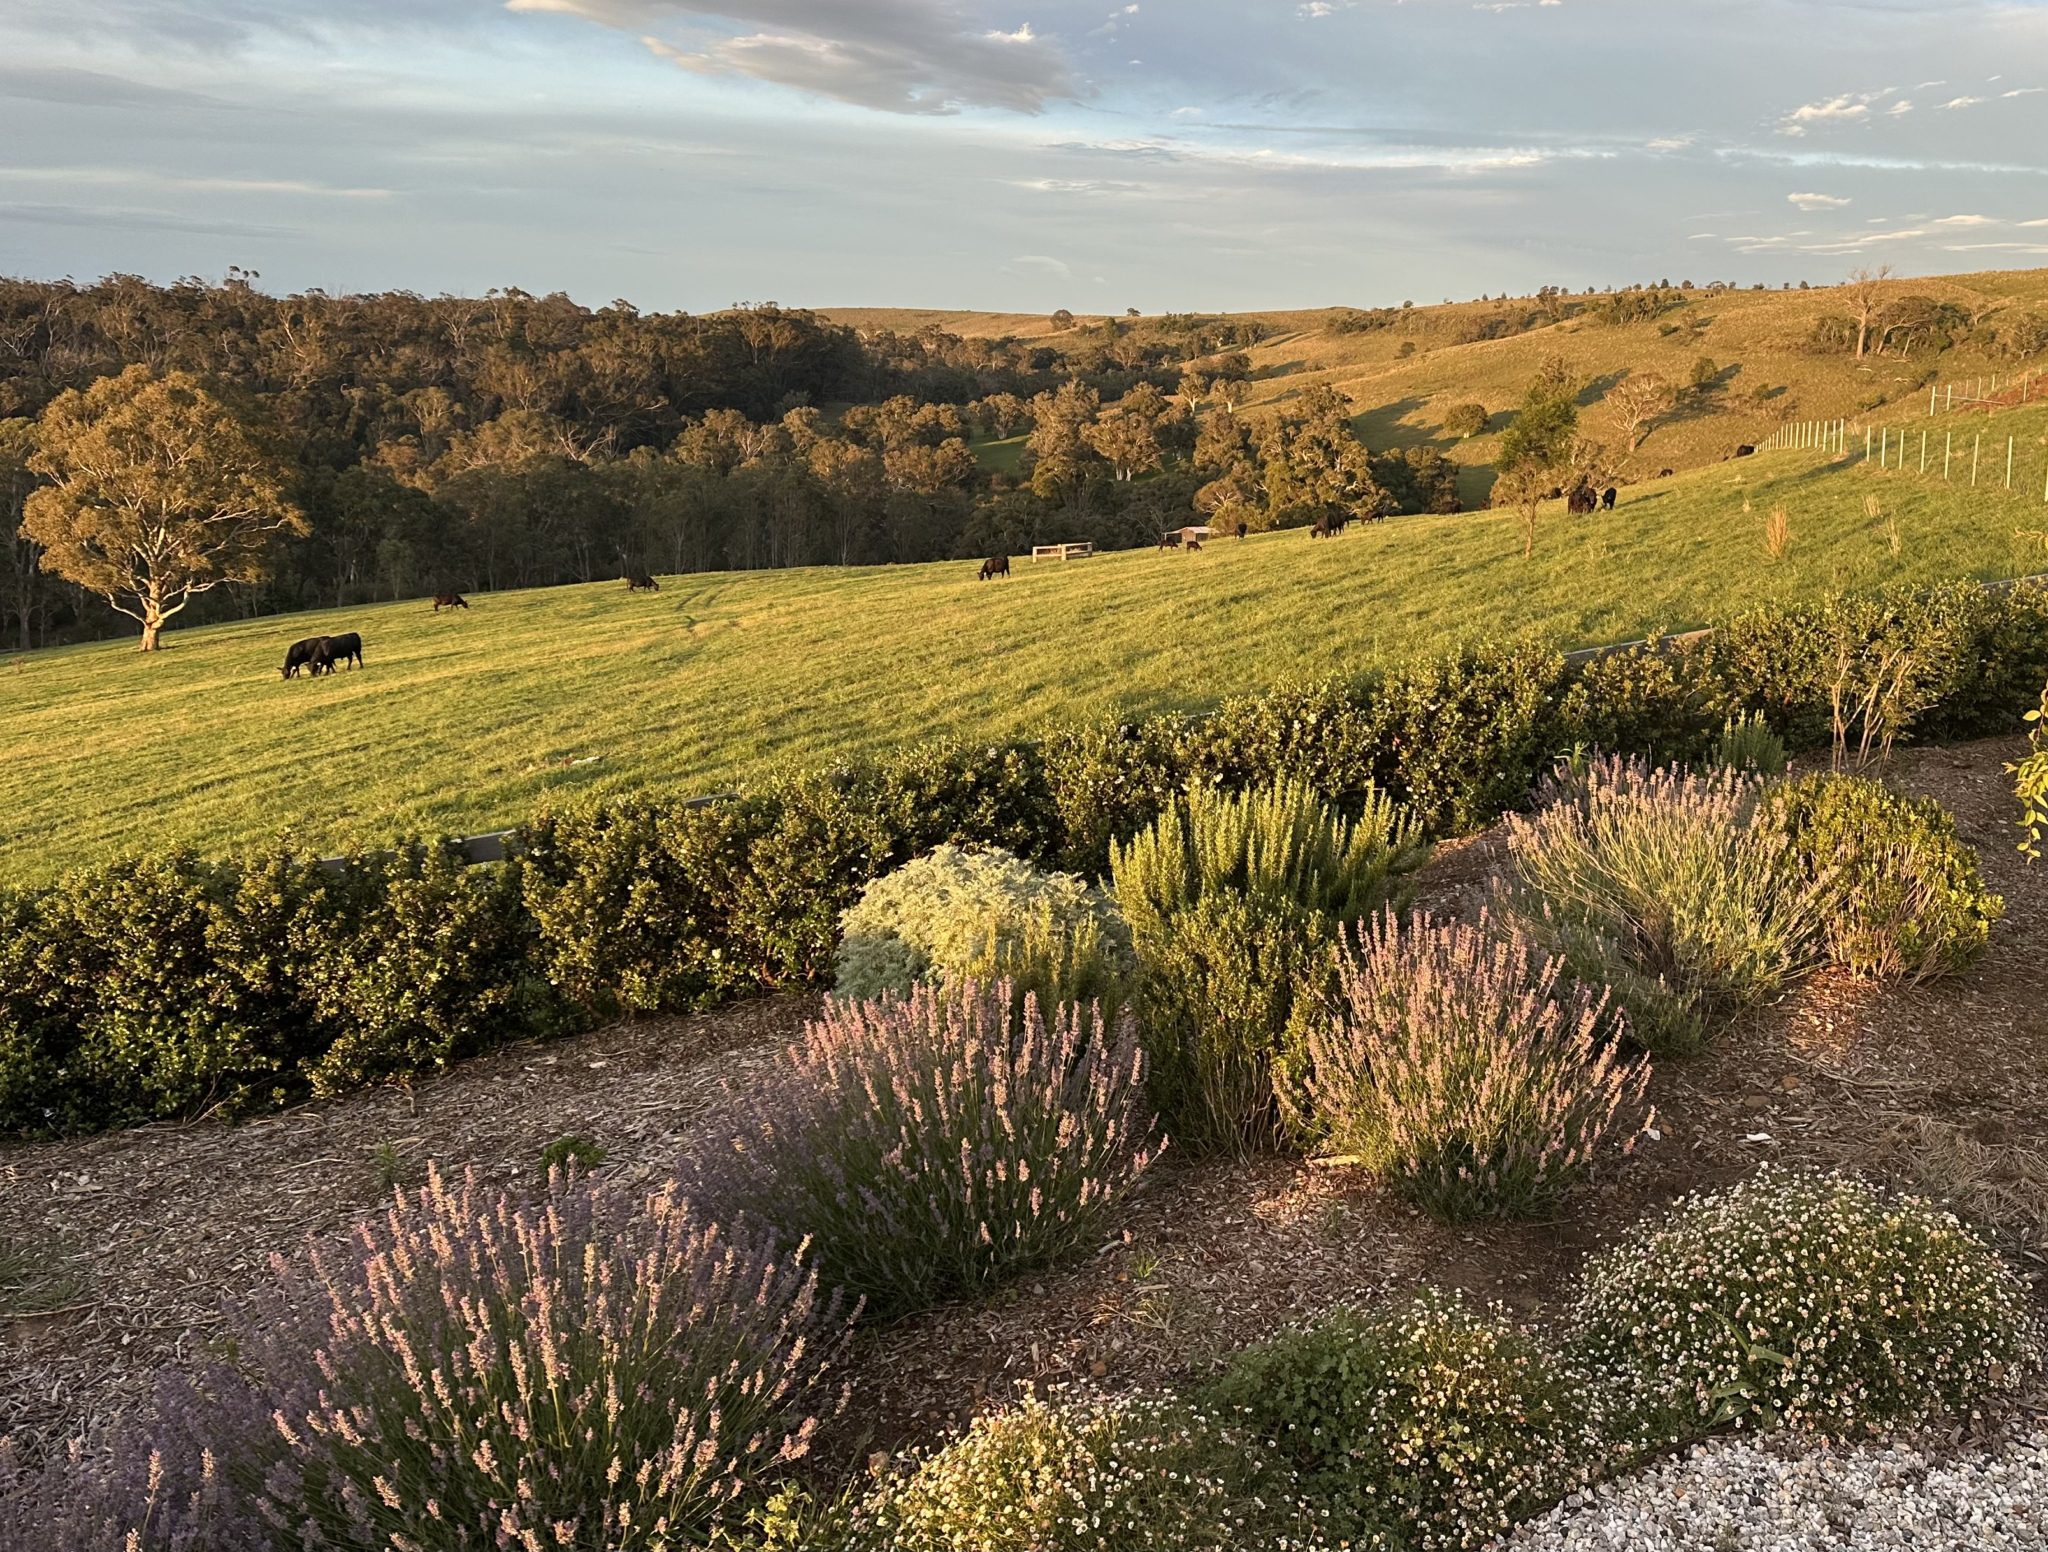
(1941, 1087)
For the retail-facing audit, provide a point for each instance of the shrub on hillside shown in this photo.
(929, 1146)
(1461, 1064)
(1420, 1425)
(1808, 1301)
(1660, 885)
(959, 914)
(1078, 1476)
(582, 1372)
(1901, 894)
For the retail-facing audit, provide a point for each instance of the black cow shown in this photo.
(1583, 499)
(1243, 528)
(995, 566)
(1663, 474)
(1170, 540)
(302, 654)
(346, 648)
(1194, 544)
(1608, 497)
(638, 583)
(449, 601)
(1340, 522)
(1745, 451)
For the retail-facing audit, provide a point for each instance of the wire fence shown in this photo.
(1968, 457)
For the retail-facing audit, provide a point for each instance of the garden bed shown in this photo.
(133, 1238)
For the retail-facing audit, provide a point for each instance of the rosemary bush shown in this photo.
(929, 1146)
(1462, 1064)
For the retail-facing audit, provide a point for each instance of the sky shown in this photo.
(1020, 154)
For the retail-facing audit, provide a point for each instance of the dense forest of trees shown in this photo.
(514, 440)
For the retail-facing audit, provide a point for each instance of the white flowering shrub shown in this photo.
(1421, 1425)
(962, 913)
(1075, 1476)
(1805, 1301)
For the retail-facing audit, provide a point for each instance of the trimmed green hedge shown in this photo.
(166, 986)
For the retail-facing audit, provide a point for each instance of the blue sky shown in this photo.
(1028, 154)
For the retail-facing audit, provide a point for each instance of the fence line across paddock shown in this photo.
(496, 845)
(1931, 453)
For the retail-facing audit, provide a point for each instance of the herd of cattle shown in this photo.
(318, 655)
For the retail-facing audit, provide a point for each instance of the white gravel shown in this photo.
(1734, 1495)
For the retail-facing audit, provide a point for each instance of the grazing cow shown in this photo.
(1194, 544)
(1608, 497)
(1340, 522)
(995, 566)
(346, 648)
(1320, 529)
(1664, 474)
(302, 654)
(1243, 528)
(1745, 451)
(449, 601)
(637, 583)
(1170, 540)
(1583, 499)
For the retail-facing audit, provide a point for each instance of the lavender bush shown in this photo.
(578, 1373)
(1465, 1066)
(931, 1145)
(127, 1492)
(1661, 885)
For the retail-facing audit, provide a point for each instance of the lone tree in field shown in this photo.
(1868, 291)
(157, 493)
(1637, 402)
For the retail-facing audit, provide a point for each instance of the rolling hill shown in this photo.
(467, 721)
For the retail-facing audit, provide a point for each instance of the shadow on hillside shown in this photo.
(1386, 426)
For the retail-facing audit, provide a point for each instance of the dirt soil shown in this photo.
(137, 1237)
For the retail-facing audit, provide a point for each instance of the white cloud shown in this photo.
(1816, 201)
(1965, 221)
(900, 56)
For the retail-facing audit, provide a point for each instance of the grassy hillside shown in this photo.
(1756, 338)
(465, 722)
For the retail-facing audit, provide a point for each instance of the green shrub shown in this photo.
(1421, 1425)
(1460, 1064)
(1901, 894)
(1223, 1001)
(1281, 844)
(931, 1146)
(1808, 1301)
(443, 964)
(1075, 1476)
(957, 914)
(1655, 702)
(571, 1149)
(1748, 745)
(1660, 885)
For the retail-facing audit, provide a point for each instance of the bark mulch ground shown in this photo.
(136, 1237)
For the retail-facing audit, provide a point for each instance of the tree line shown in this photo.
(357, 448)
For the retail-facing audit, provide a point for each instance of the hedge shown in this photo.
(170, 985)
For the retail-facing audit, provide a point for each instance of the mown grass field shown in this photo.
(467, 722)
